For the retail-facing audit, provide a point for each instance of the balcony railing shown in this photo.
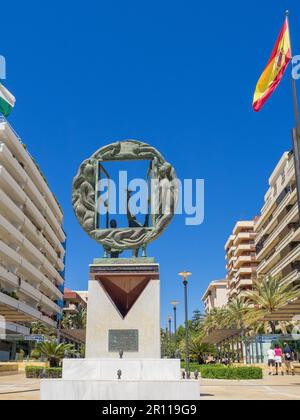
(275, 234)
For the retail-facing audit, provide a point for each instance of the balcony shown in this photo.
(274, 237)
(244, 259)
(290, 198)
(242, 248)
(250, 271)
(12, 282)
(290, 258)
(8, 136)
(292, 276)
(243, 237)
(276, 203)
(268, 263)
(10, 234)
(22, 178)
(16, 217)
(243, 284)
(71, 308)
(16, 194)
(15, 262)
(14, 310)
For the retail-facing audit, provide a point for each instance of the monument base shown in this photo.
(140, 379)
(123, 309)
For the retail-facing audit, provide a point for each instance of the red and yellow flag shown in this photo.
(271, 77)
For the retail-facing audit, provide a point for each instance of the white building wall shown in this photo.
(31, 236)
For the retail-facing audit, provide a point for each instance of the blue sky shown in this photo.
(179, 75)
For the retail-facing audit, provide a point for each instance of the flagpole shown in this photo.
(295, 132)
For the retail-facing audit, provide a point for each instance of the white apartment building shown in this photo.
(31, 241)
(278, 229)
(241, 258)
(215, 295)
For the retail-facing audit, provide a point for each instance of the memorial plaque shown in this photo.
(125, 340)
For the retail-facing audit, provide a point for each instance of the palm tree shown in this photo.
(38, 328)
(198, 350)
(269, 295)
(215, 319)
(237, 310)
(55, 352)
(80, 319)
(75, 321)
(67, 322)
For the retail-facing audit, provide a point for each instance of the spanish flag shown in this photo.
(278, 63)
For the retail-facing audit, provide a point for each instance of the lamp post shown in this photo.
(185, 275)
(166, 340)
(174, 303)
(170, 334)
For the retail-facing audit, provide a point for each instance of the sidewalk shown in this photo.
(270, 388)
(17, 387)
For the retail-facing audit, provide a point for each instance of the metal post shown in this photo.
(296, 132)
(185, 275)
(174, 303)
(187, 356)
(170, 335)
(166, 340)
(175, 331)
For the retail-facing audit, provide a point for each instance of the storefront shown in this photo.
(255, 348)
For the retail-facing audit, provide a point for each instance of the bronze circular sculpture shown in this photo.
(116, 240)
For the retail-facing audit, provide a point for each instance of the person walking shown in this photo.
(288, 359)
(278, 360)
(271, 361)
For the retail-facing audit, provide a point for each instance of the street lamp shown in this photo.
(170, 333)
(185, 275)
(174, 303)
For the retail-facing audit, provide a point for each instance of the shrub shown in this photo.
(234, 373)
(196, 366)
(35, 354)
(41, 372)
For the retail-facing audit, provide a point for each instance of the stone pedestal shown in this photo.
(141, 379)
(123, 316)
(123, 309)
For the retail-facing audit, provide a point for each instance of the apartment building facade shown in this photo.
(278, 229)
(73, 302)
(32, 242)
(84, 294)
(241, 259)
(216, 295)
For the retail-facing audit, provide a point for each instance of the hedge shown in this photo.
(41, 372)
(235, 373)
(196, 366)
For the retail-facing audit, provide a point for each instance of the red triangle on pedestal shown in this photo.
(124, 292)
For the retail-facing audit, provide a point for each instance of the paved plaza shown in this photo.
(17, 387)
(270, 388)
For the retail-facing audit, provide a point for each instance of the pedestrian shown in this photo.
(288, 359)
(271, 361)
(278, 360)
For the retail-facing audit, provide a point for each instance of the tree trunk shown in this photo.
(273, 327)
(53, 362)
